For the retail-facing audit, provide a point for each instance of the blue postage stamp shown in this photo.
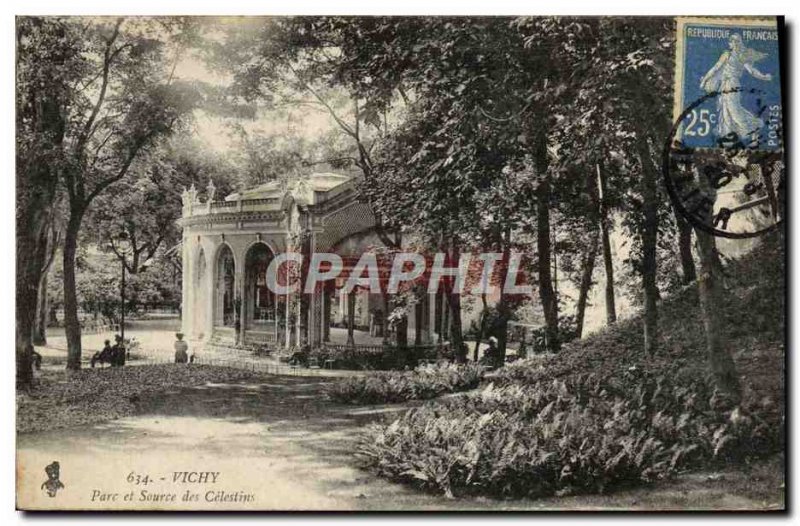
(727, 82)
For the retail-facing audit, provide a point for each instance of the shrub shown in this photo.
(583, 435)
(422, 383)
(377, 358)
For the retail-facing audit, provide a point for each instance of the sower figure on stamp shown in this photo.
(181, 349)
(726, 77)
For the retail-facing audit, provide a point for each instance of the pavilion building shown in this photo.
(228, 245)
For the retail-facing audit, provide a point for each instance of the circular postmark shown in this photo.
(734, 188)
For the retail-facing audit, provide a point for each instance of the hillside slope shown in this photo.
(754, 313)
(602, 415)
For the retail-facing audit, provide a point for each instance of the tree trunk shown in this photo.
(456, 330)
(40, 327)
(608, 262)
(722, 366)
(649, 246)
(418, 322)
(688, 271)
(41, 106)
(72, 325)
(503, 315)
(42, 302)
(481, 329)
(31, 241)
(546, 293)
(586, 283)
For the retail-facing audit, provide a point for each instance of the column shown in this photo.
(351, 316)
(430, 318)
(238, 304)
(313, 332)
(327, 297)
(297, 308)
(187, 303)
(439, 317)
(210, 295)
(286, 324)
(418, 317)
(445, 317)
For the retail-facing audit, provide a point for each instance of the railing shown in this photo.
(222, 207)
(266, 201)
(260, 337)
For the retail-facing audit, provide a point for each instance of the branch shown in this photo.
(102, 185)
(108, 57)
(157, 243)
(329, 160)
(343, 125)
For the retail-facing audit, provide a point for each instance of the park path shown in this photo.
(279, 440)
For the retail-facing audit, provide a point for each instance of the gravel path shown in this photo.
(280, 441)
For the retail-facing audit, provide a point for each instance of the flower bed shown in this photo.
(579, 436)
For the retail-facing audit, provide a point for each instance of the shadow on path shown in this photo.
(283, 441)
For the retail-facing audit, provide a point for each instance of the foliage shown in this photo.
(585, 434)
(98, 281)
(603, 414)
(424, 382)
(147, 204)
(567, 331)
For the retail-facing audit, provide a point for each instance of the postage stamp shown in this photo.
(739, 60)
(723, 160)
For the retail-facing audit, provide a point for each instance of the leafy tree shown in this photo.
(48, 68)
(294, 62)
(126, 103)
(146, 205)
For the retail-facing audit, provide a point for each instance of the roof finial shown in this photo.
(211, 189)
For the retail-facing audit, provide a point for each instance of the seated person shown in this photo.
(103, 356)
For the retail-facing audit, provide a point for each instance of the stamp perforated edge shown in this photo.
(680, 51)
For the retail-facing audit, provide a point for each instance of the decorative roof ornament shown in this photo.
(211, 190)
(189, 198)
(301, 191)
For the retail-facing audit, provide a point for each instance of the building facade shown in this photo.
(228, 245)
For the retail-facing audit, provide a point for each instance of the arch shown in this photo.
(224, 287)
(218, 250)
(259, 304)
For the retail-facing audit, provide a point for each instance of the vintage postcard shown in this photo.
(419, 263)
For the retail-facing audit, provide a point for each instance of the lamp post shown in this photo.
(122, 248)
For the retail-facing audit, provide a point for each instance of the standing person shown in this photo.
(181, 349)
